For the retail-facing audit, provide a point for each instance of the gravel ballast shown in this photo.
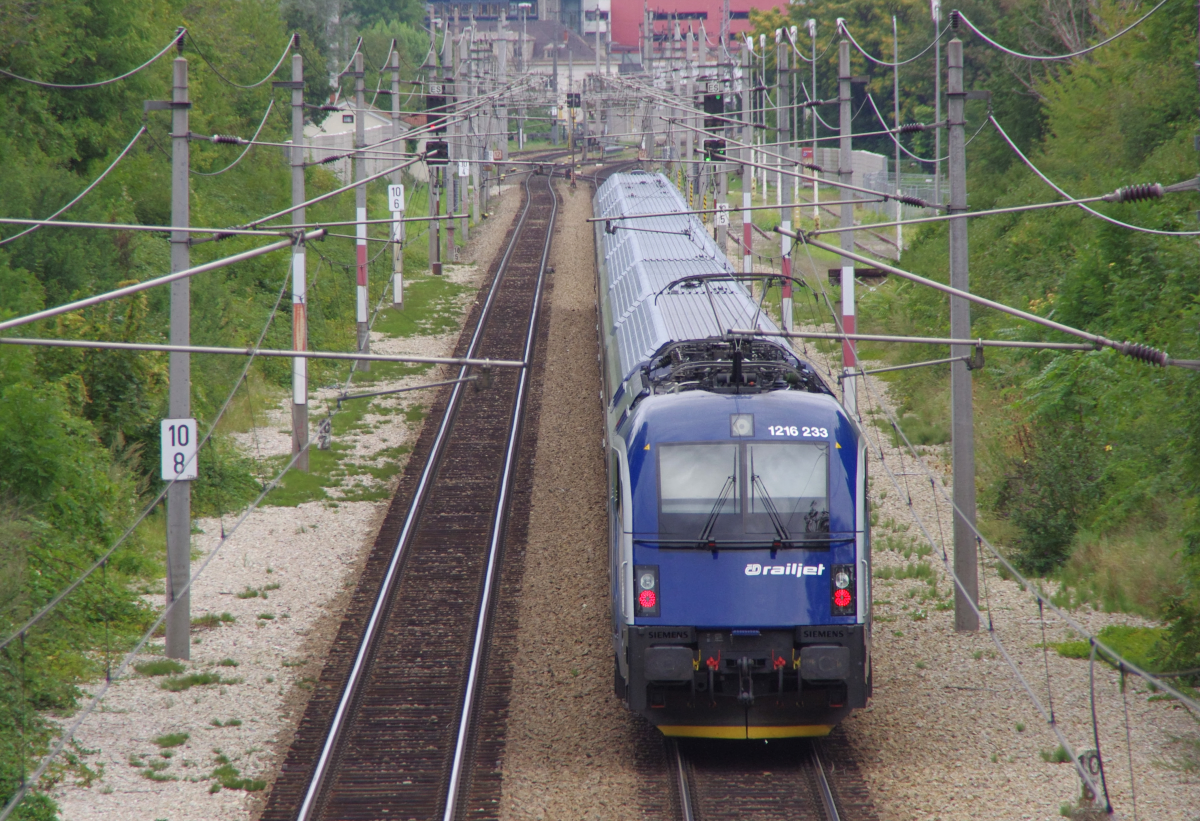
(950, 734)
(283, 579)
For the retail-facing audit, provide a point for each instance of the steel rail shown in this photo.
(823, 786)
(497, 536)
(333, 737)
(681, 780)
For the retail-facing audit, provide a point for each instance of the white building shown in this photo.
(335, 135)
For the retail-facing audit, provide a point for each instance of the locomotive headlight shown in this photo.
(841, 579)
(741, 424)
(646, 601)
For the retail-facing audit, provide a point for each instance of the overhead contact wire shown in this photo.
(70, 86)
(286, 51)
(246, 150)
(1053, 57)
(85, 191)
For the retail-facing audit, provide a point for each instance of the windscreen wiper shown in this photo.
(781, 533)
(716, 509)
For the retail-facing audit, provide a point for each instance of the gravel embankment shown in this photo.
(950, 733)
(570, 742)
(284, 579)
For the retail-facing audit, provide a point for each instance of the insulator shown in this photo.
(334, 158)
(954, 20)
(1144, 353)
(1133, 193)
(910, 128)
(225, 138)
(812, 167)
(914, 201)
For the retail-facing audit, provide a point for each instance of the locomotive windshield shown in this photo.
(752, 492)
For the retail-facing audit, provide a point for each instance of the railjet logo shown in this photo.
(790, 569)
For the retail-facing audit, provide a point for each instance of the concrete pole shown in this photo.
(557, 100)
(397, 179)
(778, 163)
(747, 171)
(477, 150)
(704, 172)
(812, 31)
(937, 105)
(299, 275)
(846, 175)
(461, 67)
(961, 411)
(689, 154)
(783, 71)
(502, 40)
(896, 125)
(435, 227)
(608, 48)
(450, 180)
(179, 496)
(360, 211)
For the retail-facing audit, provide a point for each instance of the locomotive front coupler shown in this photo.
(745, 681)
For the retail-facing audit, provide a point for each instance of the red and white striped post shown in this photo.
(747, 171)
(360, 213)
(784, 129)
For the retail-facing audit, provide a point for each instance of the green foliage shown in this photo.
(1088, 463)
(1138, 645)
(210, 621)
(172, 740)
(1059, 755)
(178, 684)
(159, 667)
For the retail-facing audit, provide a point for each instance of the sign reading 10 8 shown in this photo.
(179, 449)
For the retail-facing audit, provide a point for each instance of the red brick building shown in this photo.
(627, 17)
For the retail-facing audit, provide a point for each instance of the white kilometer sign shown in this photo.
(395, 198)
(722, 215)
(464, 169)
(179, 449)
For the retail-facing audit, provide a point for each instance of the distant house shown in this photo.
(335, 135)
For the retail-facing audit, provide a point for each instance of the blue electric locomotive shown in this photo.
(739, 541)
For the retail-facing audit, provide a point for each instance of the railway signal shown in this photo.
(437, 152)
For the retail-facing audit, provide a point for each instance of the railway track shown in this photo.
(785, 780)
(401, 725)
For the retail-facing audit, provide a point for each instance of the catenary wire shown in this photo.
(1092, 211)
(896, 138)
(82, 193)
(150, 507)
(945, 559)
(196, 47)
(1025, 583)
(43, 84)
(1052, 57)
(889, 63)
(246, 150)
(69, 733)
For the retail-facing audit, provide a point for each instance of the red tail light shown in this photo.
(646, 594)
(842, 590)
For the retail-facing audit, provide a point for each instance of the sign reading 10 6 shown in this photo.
(179, 449)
